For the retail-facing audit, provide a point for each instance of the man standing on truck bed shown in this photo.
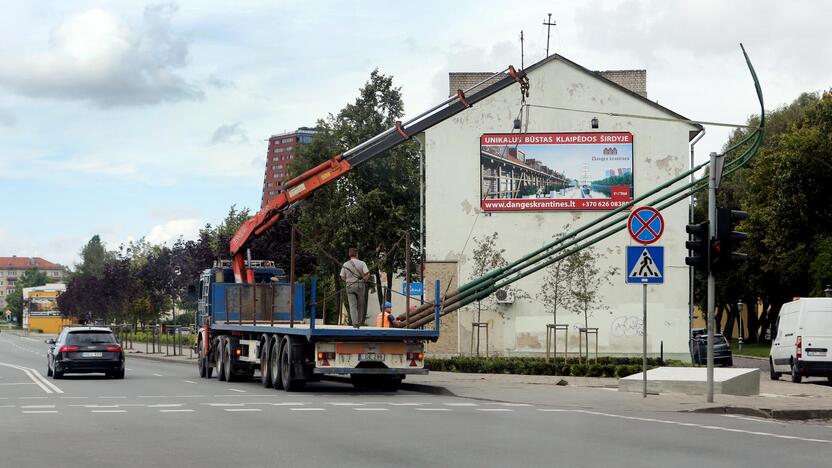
(355, 274)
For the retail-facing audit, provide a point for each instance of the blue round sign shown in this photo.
(645, 225)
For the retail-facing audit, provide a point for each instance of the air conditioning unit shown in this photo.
(504, 296)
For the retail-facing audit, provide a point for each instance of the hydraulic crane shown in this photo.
(307, 183)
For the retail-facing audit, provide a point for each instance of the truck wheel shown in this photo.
(287, 368)
(230, 376)
(201, 361)
(265, 376)
(796, 377)
(274, 365)
(221, 359)
(773, 375)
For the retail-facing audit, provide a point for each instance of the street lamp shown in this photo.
(739, 307)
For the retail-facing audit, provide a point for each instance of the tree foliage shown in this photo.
(785, 190)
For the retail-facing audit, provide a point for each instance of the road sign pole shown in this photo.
(644, 341)
(712, 185)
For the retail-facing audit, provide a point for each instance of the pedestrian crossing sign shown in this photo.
(645, 264)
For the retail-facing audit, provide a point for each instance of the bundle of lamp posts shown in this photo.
(595, 231)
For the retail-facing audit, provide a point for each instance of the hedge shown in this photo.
(147, 337)
(602, 367)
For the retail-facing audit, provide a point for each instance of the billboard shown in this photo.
(555, 171)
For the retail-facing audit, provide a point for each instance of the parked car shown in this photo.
(699, 348)
(802, 340)
(85, 350)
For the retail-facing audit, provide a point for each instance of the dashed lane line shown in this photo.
(32, 398)
(73, 397)
(113, 397)
(109, 411)
(240, 410)
(40, 412)
(307, 409)
(158, 375)
(345, 404)
(287, 403)
(37, 406)
(166, 405)
(460, 404)
(176, 411)
(237, 390)
(189, 381)
(433, 409)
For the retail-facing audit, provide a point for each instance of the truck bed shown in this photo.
(318, 329)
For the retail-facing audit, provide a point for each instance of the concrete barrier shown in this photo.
(693, 381)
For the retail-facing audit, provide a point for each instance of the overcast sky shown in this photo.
(132, 119)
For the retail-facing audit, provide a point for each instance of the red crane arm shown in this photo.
(296, 189)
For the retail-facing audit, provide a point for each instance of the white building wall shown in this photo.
(661, 150)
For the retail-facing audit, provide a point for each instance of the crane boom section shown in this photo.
(307, 183)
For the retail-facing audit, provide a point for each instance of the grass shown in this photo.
(750, 349)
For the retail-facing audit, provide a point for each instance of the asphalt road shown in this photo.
(163, 415)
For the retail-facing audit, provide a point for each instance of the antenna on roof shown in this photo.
(522, 66)
(549, 23)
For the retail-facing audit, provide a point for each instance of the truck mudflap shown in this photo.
(368, 371)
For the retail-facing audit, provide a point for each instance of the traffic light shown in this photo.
(724, 257)
(699, 246)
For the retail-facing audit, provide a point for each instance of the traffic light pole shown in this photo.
(713, 175)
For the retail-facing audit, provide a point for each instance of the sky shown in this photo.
(133, 119)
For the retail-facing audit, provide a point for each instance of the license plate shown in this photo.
(90, 354)
(371, 357)
(815, 353)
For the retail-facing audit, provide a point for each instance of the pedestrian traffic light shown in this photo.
(699, 246)
(724, 256)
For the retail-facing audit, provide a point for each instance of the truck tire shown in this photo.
(291, 382)
(221, 359)
(265, 368)
(773, 375)
(202, 361)
(230, 376)
(274, 365)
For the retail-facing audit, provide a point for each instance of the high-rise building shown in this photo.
(281, 151)
(12, 268)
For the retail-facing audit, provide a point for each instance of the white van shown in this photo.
(802, 344)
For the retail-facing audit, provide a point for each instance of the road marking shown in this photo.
(40, 412)
(345, 404)
(73, 397)
(109, 411)
(189, 396)
(166, 405)
(460, 404)
(734, 416)
(237, 390)
(281, 404)
(176, 411)
(158, 375)
(371, 409)
(38, 406)
(38, 379)
(153, 396)
(99, 406)
(112, 397)
(405, 404)
(514, 404)
(503, 410)
(32, 397)
(17, 383)
(702, 426)
(223, 404)
(553, 410)
(433, 409)
(308, 409)
(7, 406)
(189, 381)
(238, 396)
(242, 409)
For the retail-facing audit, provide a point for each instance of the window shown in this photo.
(12, 282)
(274, 168)
(288, 140)
(88, 338)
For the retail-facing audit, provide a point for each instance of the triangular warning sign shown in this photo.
(645, 266)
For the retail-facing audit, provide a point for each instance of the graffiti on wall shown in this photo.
(626, 326)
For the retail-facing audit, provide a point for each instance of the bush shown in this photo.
(606, 366)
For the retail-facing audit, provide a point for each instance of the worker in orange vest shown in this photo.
(385, 318)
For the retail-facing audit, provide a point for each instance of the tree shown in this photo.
(586, 282)
(371, 207)
(487, 256)
(555, 292)
(14, 301)
(93, 257)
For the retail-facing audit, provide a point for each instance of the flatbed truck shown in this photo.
(271, 328)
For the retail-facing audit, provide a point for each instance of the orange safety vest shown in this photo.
(382, 321)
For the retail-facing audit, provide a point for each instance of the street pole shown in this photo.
(712, 184)
(739, 308)
(643, 341)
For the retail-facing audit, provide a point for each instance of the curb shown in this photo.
(148, 357)
(785, 414)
